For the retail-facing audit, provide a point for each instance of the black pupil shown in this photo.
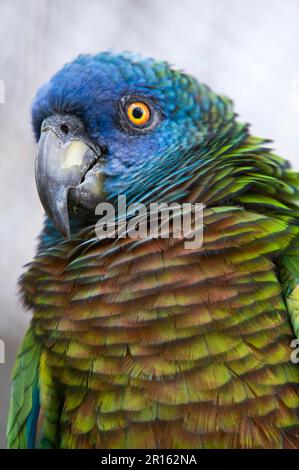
(137, 113)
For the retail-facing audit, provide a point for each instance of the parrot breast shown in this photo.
(151, 345)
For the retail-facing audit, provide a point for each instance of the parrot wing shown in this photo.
(24, 405)
(290, 282)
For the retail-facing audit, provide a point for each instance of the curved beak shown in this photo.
(65, 154)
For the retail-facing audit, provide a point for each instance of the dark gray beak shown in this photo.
(65, 155)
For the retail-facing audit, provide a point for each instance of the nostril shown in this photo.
(104, 150)
(64, 128)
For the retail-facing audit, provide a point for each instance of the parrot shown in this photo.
(142, 343)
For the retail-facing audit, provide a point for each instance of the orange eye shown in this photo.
(138, 113)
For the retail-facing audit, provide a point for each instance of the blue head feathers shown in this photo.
(138, 158)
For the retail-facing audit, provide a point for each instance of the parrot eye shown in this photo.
(137, 115)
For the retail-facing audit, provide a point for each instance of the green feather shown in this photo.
(23, 393)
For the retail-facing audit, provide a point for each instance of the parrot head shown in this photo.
(114, 124)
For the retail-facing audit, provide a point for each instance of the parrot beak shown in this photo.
(65, 155)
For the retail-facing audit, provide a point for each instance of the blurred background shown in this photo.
(247, 50)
